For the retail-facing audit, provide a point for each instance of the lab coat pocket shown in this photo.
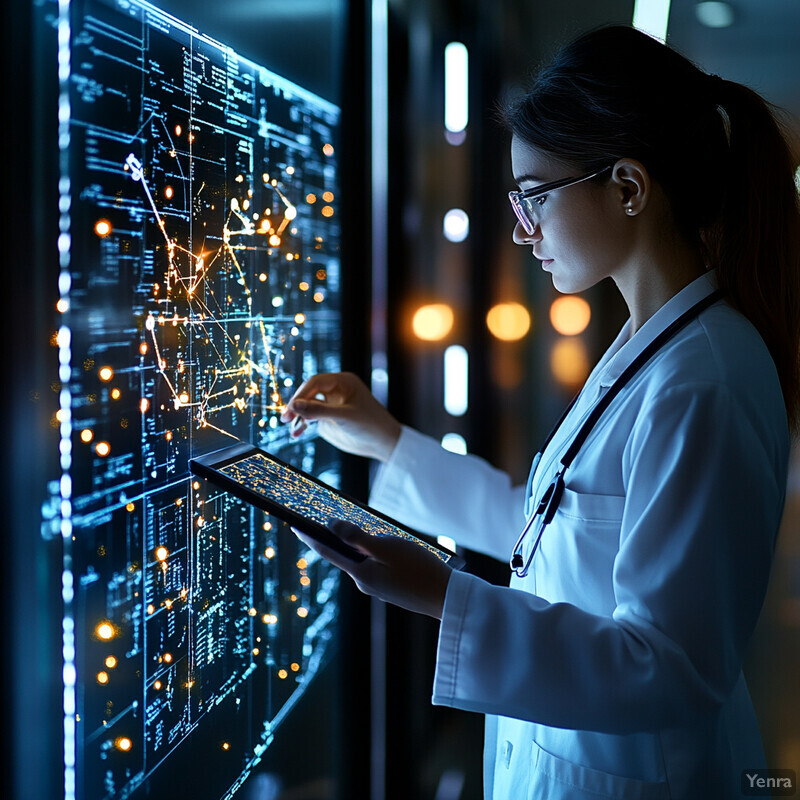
(577, 552)
(559, 779)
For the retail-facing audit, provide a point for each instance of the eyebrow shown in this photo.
(528, 177)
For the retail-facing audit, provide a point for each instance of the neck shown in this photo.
(648, 283)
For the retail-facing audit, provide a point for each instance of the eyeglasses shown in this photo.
(526, 203)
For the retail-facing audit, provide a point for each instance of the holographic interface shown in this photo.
(198, 286)
(311, 500)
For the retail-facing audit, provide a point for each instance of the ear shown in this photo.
(632, 186)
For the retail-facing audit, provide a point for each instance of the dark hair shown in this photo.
(616, 92)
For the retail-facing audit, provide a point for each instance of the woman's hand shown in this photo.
(395, 570)
(349, 417)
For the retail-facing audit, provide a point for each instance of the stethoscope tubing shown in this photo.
(548, 504)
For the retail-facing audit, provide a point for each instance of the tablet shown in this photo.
(304, 502)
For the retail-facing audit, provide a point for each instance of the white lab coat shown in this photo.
(613, 670)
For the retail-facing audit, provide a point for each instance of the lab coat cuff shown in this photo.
(389, 488)
(454, 614)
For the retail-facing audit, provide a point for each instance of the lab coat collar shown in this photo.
(624, 349)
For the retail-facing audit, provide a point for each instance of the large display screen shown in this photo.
(198, 286)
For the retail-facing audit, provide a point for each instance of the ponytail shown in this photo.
(589, 108)
(755, 241)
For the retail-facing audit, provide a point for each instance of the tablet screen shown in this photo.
(311, 500)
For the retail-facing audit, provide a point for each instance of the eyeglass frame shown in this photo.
(516, 199)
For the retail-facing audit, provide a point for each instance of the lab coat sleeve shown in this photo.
(705, 492)
(441, 493)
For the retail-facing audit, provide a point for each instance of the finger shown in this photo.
(297, 427)
(384, 549)
(312, 410)
(351, 534)
(337, 559)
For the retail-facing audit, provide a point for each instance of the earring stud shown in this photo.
(629, 210)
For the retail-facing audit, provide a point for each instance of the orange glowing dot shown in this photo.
(104, 631)
(295, 667)
(191, 137)
(302, 612)
(327, 211)
(570, 315)
(318, 297)
(252, 612)
(102, 448)
(256, 651)
(302, 564)
(130, 507)
(270, 552)
(262, 277)
(168, 658)
(115, 394)
(305, 581)
(178, 130)
(168, 192)
(62, 305)
(143, 348)
(111, 662)
(569, 362)
(87, 435)
(102, 227)
(123, 743)
(328, 149)
(168, 436)
(106, 374)
(200, 522)
(433, 322)
(151, 609)
(161, 553)
(102, 677)
(299, 318)
(144, 404)
(508, 322)
(327, 197)
(303, 286)
(290, 170)
(157, 685)
(274, 240)
(283, 674)
(311, 198)
(226, 746)
(289, 257)
(168, 604)
(178, 501)
(196, 485)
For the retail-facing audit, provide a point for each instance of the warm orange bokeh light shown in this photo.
(433, 322)
(570, 315)
(508, 322)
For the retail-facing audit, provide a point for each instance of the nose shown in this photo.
(521, 236)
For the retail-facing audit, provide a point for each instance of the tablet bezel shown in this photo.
(208, 466)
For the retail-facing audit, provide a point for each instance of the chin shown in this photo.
(572, 284)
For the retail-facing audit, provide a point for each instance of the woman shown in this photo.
(611, 666)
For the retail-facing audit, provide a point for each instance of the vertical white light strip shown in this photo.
(456, 380)
(64, 339)
(380, 189)
(652, 17)
(456, 87)
(379, 37)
